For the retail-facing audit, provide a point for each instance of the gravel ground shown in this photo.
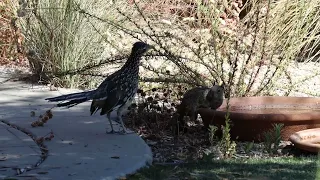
(11, 70)
(302, 74)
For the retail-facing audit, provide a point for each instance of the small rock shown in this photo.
(115, 157)
(149, 142)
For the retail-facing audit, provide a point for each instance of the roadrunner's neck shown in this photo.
(132, 65)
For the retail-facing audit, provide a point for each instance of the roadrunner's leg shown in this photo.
(109, 119)
(124, 130)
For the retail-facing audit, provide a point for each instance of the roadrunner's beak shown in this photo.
(149, 47)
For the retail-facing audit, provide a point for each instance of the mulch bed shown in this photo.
(11, 38)
(155, 124)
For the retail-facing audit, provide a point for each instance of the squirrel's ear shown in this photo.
(222, 85)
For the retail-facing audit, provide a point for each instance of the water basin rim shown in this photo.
(310, 116)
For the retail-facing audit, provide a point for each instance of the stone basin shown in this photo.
(308, 140)
(252, 116)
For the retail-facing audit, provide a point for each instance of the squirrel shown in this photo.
(199, 97)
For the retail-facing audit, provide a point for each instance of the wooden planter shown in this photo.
(252, 116)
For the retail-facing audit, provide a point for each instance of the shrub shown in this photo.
(272, 138)
(60, 40)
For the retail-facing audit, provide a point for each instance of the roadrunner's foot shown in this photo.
(126, 131)
(111, 132)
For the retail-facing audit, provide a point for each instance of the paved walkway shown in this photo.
(80, 148)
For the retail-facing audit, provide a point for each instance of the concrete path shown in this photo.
(80, 148)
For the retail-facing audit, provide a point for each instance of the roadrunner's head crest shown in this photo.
(140, 48)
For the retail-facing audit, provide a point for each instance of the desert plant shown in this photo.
(212, 134)
(60, 39)
(295, 27)
(248, 147)
(228, 146)
(225, 145)
(272, 138)
(214, 151)
(194, 43)
(198, 41)
(294, 30)
(198, 55)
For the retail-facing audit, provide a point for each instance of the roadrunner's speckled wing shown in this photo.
(115, 92)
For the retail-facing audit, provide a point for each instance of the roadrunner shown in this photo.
(115, 92)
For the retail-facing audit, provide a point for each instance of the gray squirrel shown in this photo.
(199, 97)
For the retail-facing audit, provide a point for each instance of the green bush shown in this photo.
(272, 138)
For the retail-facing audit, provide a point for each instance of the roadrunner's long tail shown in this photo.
(73, 99)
